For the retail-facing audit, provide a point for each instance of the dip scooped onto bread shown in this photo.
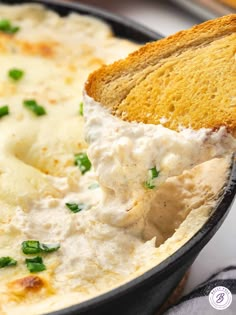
(177, 97)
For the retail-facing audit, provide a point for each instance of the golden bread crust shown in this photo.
(142, 87)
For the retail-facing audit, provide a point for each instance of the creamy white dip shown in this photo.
(123, 153)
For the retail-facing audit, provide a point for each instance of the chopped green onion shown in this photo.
(76, 207)
(4, 110)
(81, 109)
(93, 186)
(34, 107)
(7, 261)
(7, 27)
(35, 264)
(49, 248)
(152, 174)
(30, 247)
(148, 184)
(82, 160)
(15, 74)
(35, 247)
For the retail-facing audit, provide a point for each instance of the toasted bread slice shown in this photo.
(188, 79)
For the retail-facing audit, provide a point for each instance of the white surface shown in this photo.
(160, 16)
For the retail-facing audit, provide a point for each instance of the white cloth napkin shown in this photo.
(215, 296)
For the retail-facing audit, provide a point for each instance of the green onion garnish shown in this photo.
(7, 27)
(76, 207)
(152, 174)
(34, 107)
(35, 264)
(4, 110)
(93, 186)
(82, 160)
(7, 261)
(30, 247)
(148, 184)
(81, 109)
(15, 74)
(49, 248)
(35, 247)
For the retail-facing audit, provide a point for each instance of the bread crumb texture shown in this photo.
(189, 79)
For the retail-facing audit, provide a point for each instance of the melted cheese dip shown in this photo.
(122, 153)
(100, 249)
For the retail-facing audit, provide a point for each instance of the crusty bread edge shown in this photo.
(97, 85)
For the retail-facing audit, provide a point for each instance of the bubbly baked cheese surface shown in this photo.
(49, 192)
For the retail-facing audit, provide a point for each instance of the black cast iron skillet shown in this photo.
(145, 294)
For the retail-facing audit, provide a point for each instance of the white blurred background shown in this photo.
(167, 16)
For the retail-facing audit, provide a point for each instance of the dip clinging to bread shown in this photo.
(76, 222)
